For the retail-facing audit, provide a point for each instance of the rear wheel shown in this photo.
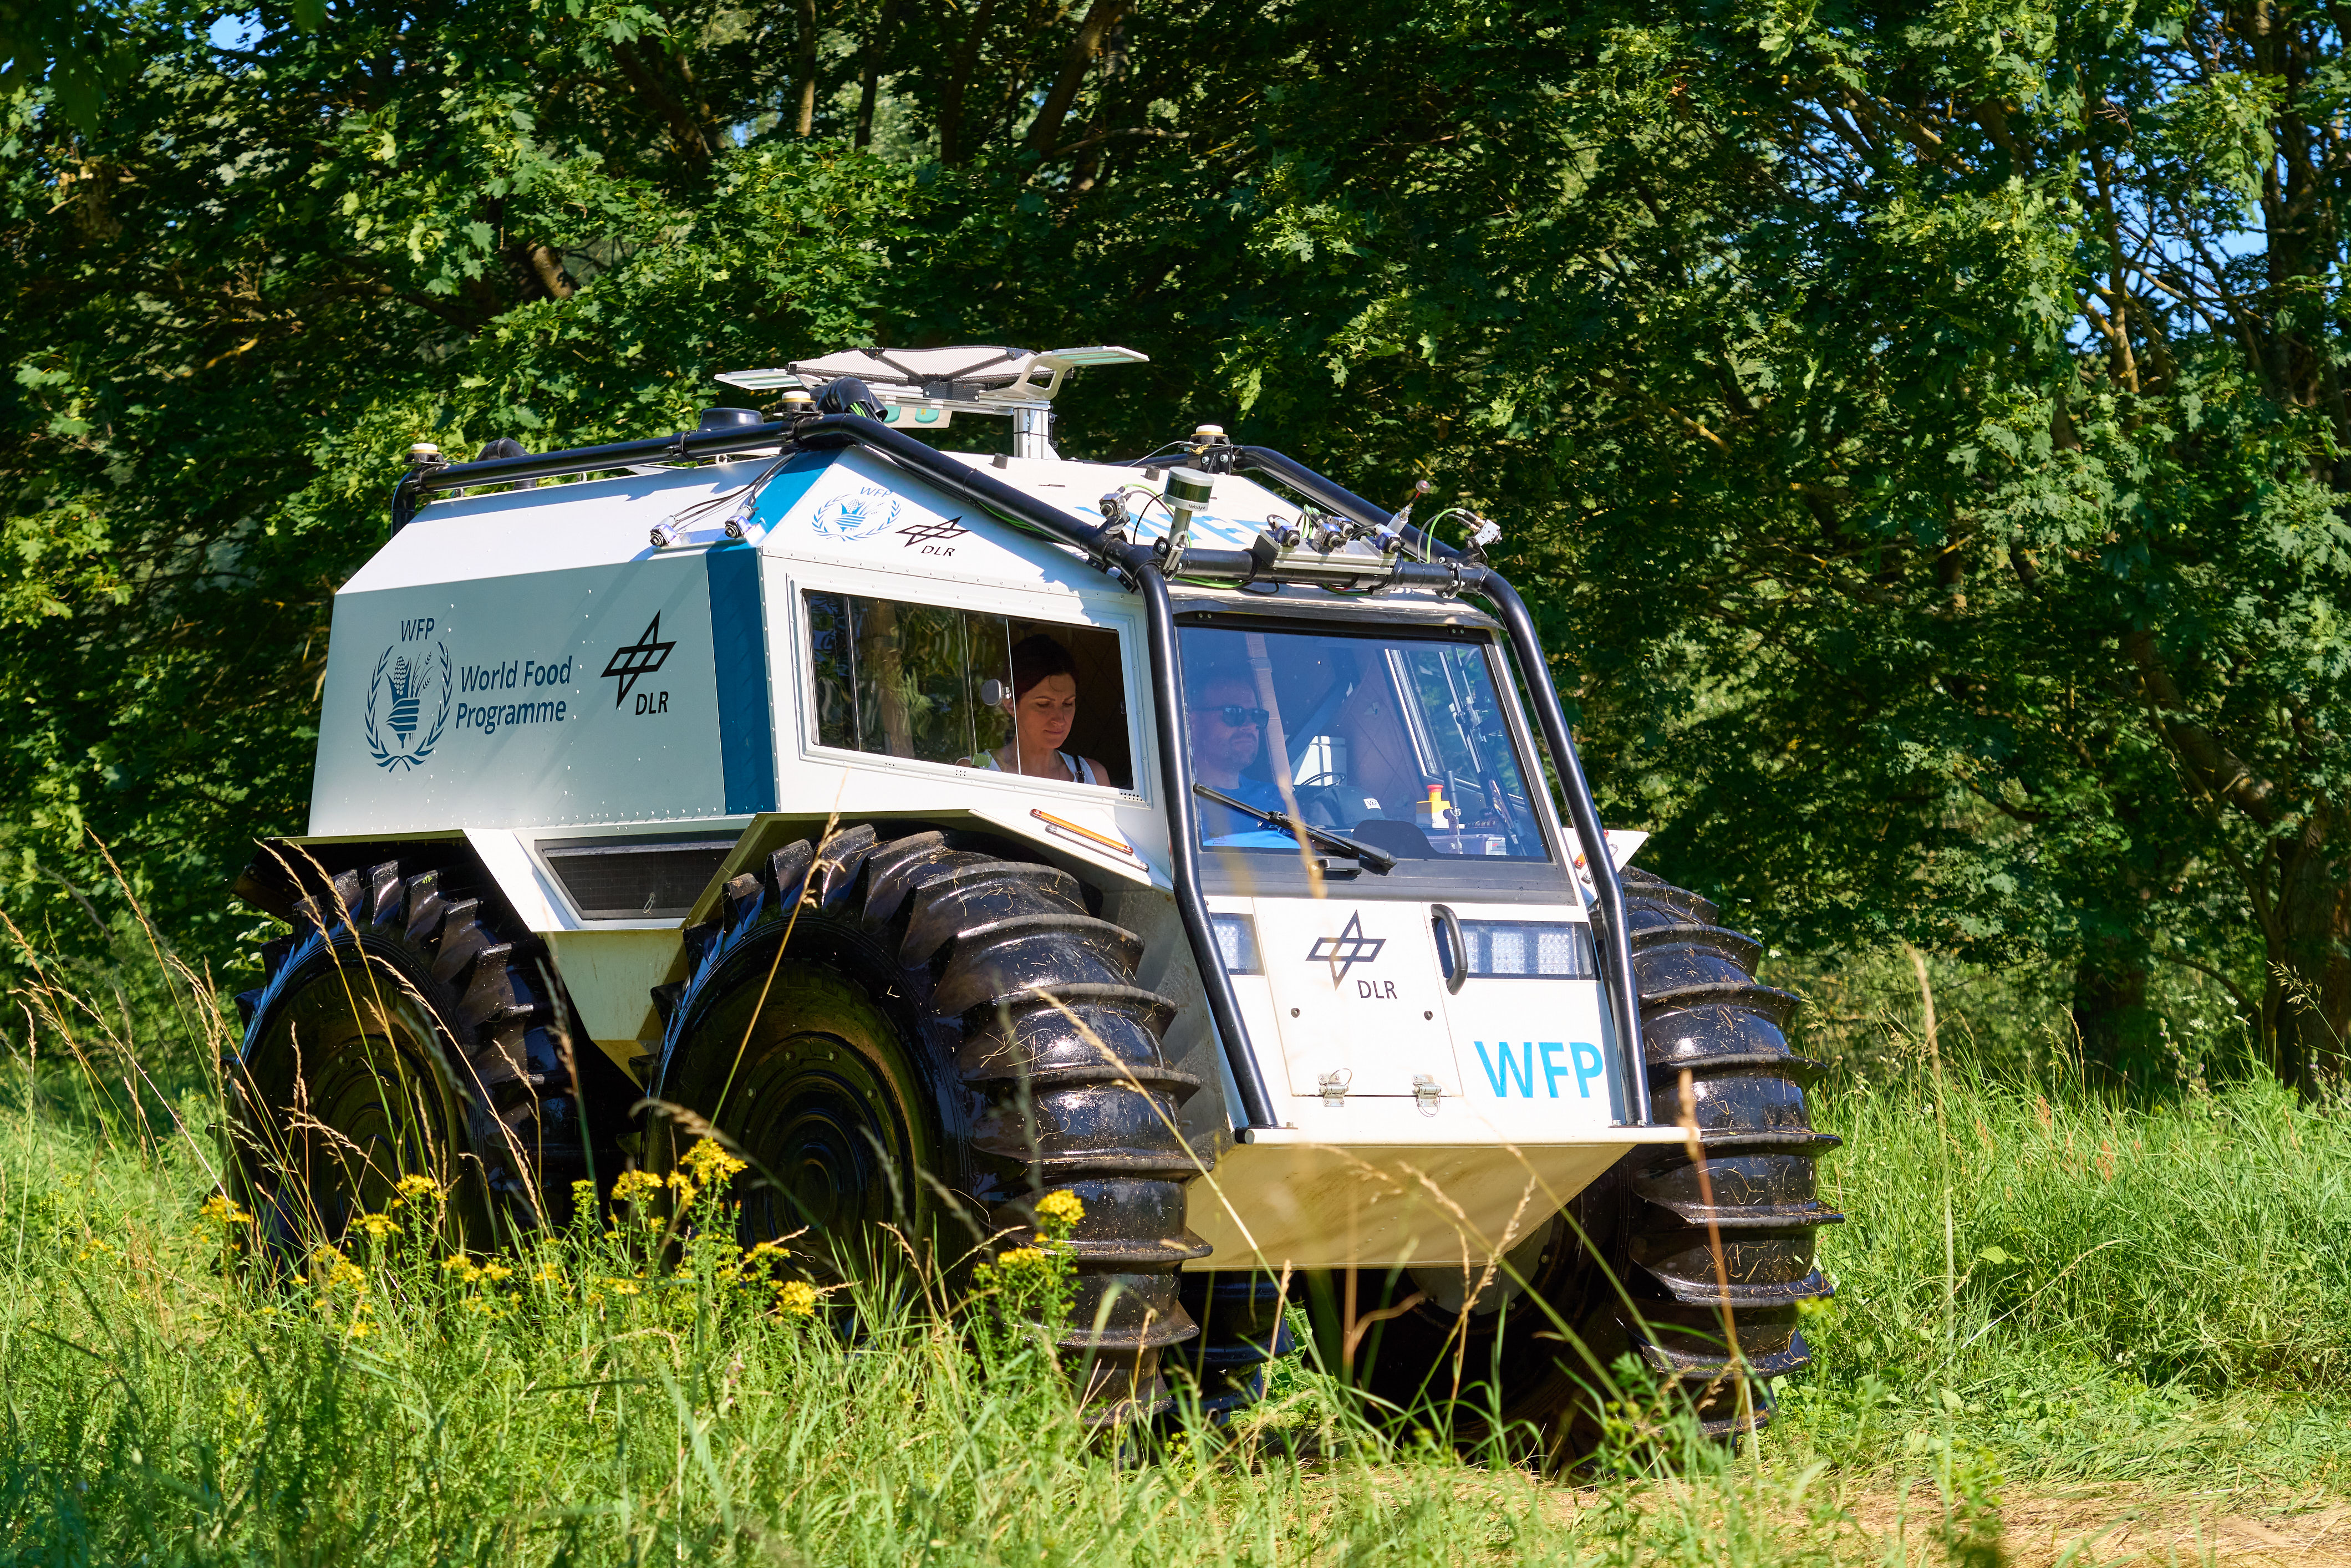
(408, 1031)
(1630, 1264)
(928, 1035)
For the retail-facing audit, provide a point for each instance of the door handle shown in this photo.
(1452, 950)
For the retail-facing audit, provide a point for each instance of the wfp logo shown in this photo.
(856, 517)
(408, 704)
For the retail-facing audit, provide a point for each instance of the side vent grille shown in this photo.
(617, 879)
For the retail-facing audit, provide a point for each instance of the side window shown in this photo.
(960, 686)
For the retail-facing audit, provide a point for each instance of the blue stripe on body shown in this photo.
(785, 490)
(739, 639)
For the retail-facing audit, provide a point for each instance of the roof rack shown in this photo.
(924, 389)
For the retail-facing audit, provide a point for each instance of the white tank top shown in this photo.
(1077, 768)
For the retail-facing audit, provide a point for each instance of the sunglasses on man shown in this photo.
(1238, 717)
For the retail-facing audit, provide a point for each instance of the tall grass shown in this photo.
(588, 1407)
(2085, 1278)
(2127, 1292)
(2152, 1293)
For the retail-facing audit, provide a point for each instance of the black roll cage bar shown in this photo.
(1139, 567)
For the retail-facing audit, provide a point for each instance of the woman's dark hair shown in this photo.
(1035, 657)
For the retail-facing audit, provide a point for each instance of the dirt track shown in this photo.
(2080, 1527)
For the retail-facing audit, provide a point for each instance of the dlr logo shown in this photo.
(1519, 1071)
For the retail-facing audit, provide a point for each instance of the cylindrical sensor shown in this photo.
(1188, 491)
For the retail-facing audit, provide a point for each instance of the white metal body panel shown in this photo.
(1539, 1057)
(1357, 994)
(1519, 1060)
(498, 620)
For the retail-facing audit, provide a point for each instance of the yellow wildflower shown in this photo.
(493, 1271)
(583, 1196)
(1059, 1212)
(711, 1164)
(1020, 1257)
(682, 1184)
(343, 1274)
(376, 1226)
(623, 1287)
(461, 1268)
(330, 1271)
(796, 1298)
(220, 1210)
(635, 1187)
(415, 1188)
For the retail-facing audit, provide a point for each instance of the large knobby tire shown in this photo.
(1244, 1330)
(408, 1031)
(921, 1034)
(1630, 1264)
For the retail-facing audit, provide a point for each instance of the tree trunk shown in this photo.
(952, 149)
(688, 131)
(1045, 130)
(870, 89)
(547, 268)
(2307, 1003)
(1087, 168)
(807, 66)
(2111, 1018)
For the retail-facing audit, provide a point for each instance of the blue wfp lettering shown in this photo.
(1588, 1065)
(1522, 1069)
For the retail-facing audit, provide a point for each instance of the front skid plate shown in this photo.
(1284, 1201)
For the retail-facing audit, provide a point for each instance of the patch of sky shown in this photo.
(234, 32)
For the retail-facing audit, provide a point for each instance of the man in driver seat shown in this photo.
(1228, 728)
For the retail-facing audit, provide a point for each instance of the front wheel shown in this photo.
(1631, 1265)
(926, 1036)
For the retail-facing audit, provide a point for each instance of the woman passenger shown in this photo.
(1044, 706)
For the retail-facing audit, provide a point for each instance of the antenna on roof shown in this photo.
(924, 389)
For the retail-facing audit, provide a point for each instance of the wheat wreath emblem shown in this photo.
(407, 683)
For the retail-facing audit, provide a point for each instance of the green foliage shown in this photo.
(77, 51)
(1023, 1294)
(261, 284)
(1919, 430)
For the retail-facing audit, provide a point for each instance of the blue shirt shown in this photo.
(1219, 822)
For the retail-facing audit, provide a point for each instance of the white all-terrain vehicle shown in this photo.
(943, 830)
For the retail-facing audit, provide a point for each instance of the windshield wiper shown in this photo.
(1363, 854)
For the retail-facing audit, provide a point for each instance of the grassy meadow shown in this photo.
(2039, 1289)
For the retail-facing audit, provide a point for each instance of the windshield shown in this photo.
(1397, 741)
